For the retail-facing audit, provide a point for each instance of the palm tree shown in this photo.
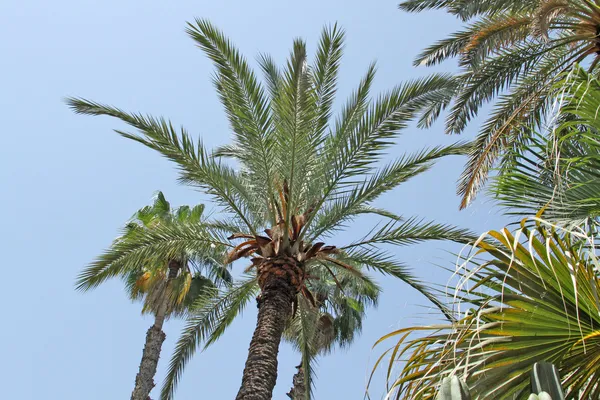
(298, 178)
(336, 321)
(166, 283)
(513, 52)
(530, 297)
(556, 176)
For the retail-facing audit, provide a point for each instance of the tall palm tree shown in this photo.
(166, 283)
(529, 297)
(334, 322)
(511, 52)
(298, 178)
(557, 176)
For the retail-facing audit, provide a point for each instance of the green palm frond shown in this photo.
(154, 244)
(383, 263)
(413, 231)
(511, 54)
(556, 177)
(467, 9)
(196, 166)
(352, 201)
(211, 314)
(246, 104)
(531, 296)
(324, 75)
(478, 41)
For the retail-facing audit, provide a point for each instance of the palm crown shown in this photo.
(145, 274)
(148, 282)
(513, 51)
(298, 178)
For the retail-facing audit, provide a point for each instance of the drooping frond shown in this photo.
(510, 54)
(515, 115)
(196, 166)
(147, 245)
(384, 263)
(556, 178)
(211, 314)
(478, 41)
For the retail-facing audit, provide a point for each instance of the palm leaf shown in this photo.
(531, 300)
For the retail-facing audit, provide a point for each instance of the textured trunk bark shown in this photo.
(298, 391)
(144, 380)
(260, 372)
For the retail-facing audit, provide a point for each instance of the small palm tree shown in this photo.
(334, 322)
(298, 179)
(167, 284)
(513, 51)
(531, 297)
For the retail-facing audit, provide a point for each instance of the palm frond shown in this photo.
(211, 314)
(324, 73)
(351, 203)
(384, 263)
(160, 243)
(556, 177)
(196, 166)
(245, 102)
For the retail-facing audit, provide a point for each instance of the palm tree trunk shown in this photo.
(298, 391)
(260, 372)
(144, 380)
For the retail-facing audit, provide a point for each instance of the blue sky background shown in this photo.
(69, 183)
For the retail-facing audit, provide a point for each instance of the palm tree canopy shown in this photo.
(292, 177)
(145, 277)
(556, 175)
(513, 52)
(531, 296)
(334, 321)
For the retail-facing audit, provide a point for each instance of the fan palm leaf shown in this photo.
(531, 296)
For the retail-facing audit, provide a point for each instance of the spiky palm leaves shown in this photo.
(300, 178)
(513, 52)
(335, 321)
(557, 176)
(167, 281)
(531, 297)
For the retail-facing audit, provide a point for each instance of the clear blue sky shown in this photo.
(69, 183)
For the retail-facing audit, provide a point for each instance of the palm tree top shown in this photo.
(299, 176)
(145, 276)
(292, 176)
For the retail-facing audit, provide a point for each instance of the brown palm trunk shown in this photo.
(260, 372)
(298, 391)
(144, 380)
